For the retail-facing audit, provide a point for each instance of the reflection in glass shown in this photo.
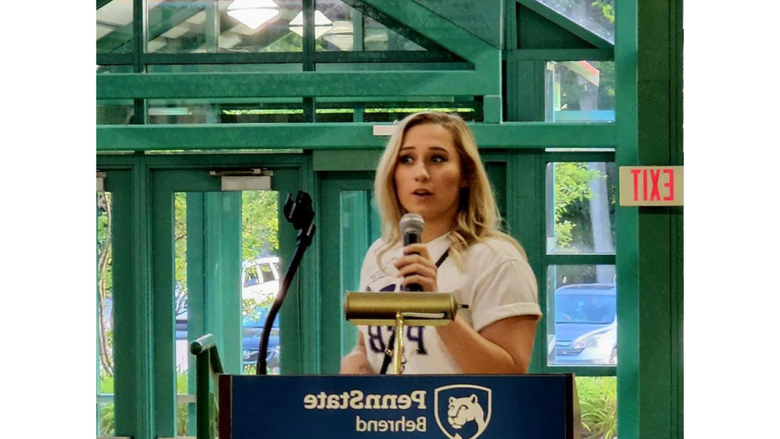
(598, 405)
(597, 16)
(582, 315)
(377, 36)
(208, 27)
(114, 112)
(105, 317)
(580, 91)
(580, 207)
(114, 25)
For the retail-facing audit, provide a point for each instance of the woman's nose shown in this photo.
(421, 172)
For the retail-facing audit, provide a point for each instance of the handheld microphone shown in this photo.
(412, 226)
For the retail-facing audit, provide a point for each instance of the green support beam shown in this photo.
(294, 84)
(559, 55)
(338, 135)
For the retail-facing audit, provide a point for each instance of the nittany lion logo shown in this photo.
(463, 411)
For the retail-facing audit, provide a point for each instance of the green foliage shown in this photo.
(571, 187)
(180, 251)
(106, 383)
(598, 406)
(599, 15)
(106, 415)
(260, 216)
(607, 9)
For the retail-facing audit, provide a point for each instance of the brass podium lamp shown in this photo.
(400, 309)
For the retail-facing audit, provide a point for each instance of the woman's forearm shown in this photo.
(356, 363)
(475, 354)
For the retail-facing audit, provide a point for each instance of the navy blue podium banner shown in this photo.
(408, 406)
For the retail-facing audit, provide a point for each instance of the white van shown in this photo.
(260, 278)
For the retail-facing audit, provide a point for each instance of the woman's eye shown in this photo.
(406, 159)
(438, 159)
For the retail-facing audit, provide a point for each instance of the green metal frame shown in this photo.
(143, 277)
(339, 136)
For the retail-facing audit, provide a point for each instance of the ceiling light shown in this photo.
(253, 13)
(322, 24)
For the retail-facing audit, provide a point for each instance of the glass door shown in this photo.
(350, 223)
(218, 259)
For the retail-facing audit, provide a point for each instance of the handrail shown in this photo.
(207, 363)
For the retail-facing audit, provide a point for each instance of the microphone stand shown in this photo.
(301, 215)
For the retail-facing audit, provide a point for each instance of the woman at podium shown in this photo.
(431, 167)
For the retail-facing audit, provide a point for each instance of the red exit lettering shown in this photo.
(653, 186)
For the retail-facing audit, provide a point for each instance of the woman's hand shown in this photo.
(417, 268)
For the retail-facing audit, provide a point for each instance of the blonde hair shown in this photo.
(478, 217)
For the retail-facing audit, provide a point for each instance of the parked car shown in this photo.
(253, 332)
(585, 325)
(260, 279)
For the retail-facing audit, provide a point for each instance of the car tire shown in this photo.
(613, 357)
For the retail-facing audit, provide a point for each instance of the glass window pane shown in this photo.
(329, 111)
(333, 26)
(105, 317)
(114, 69)
(260, 253)
(222, 26)
(582, 315)
(282, 110)
(597, 16)
(115, 112)
(580, 207)
(185, 382)
(114, 24)
(580, 91)
(598, 405)
(377, 36)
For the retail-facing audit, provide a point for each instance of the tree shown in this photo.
(104, 282)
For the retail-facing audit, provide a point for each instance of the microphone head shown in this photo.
(412, 223)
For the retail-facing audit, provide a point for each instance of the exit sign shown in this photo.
(651, 186)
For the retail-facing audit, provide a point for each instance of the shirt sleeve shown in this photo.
(508, 290)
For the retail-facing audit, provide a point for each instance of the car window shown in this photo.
(268, 275)
(251, 277)
(584, 308)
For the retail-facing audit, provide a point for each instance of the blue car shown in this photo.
(253, 331)
(585, 325)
